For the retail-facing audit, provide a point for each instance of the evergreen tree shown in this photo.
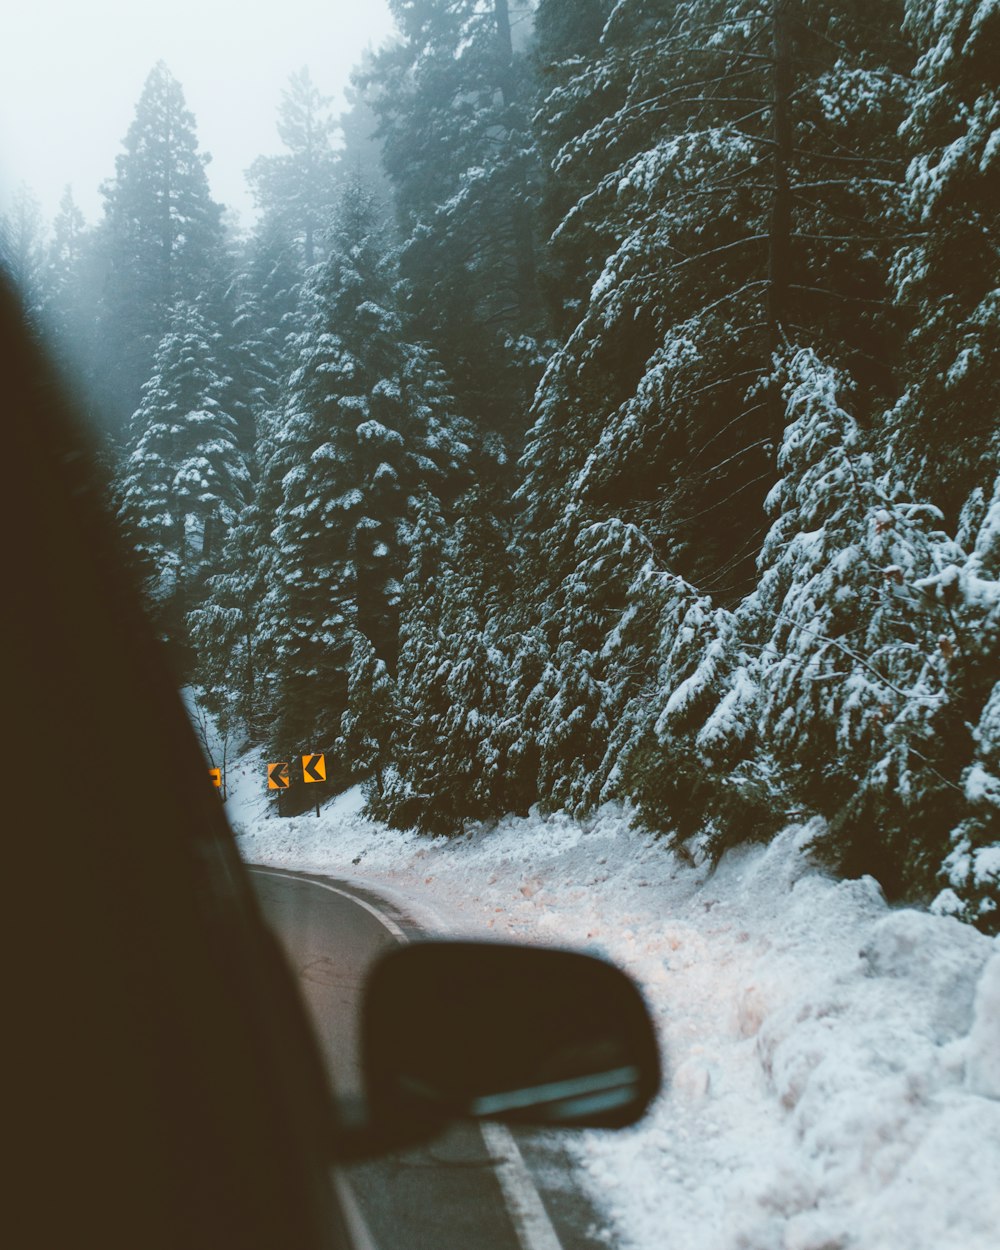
(517, 730)
(971, 593)
(475, 591)
(366, 420)
(161, 242)
(296, 190)
(273, 269)
(68, 282)
(684, 748)
(369, 727)
(410, 794)
(184, 479)
(231, 661)
(452, 753)
(22, 250)
(856, 665)
(236, 652)
(724, 194)
(360, 156)
(590, 671)
(573, 92)
(948, 275)
(845, 640)
(971, 869)
(253, 352)
(296, 193)
(452, 95)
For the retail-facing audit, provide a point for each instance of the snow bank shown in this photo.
(834, 1064)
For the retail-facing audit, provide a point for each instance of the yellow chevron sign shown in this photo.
(314, 768)
(277, 777)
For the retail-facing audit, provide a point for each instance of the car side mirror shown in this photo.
(526, 1035)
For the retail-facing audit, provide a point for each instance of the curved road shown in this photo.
(472, 1186)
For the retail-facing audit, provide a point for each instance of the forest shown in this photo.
(605, 407)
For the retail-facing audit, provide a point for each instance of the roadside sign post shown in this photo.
(278, 779)
(314, 769)
(216, 775)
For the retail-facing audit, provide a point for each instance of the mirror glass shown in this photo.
(515, 1033)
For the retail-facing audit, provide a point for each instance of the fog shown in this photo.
(71, 73)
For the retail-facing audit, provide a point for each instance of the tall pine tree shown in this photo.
(296, 190)
(724, 191)
(366, 420)
(453, 96)
(184, 479)
(160, 241)
(948, 275)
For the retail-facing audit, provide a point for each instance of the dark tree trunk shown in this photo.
(779, 255)
(779, 260)
(526, 271)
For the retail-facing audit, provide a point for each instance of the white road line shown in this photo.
(527, 1211)
(383, 919)
(524, 1203)
(361, 1236)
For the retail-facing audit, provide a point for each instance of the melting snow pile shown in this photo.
(834, 1064)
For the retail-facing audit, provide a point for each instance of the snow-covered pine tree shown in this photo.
(747, 173)
(360, 151)
(724, 189)
(231, 658)
(572, 730)
(253, 352)
(948, 274)
(409, 790)
(68, 284)
(233, 628)
(517, 729)
(366, 420)
(971, 870)
(452, 96)
(854, 683)
(860, 675)
(184, 479)
(497, 716)
(476, 593)
(161, 243)
(453, 682)
(369, 726)
(296, 191)
(573, 92)
(273, 273)
(590, 676)
(684, 750)
(971, 593)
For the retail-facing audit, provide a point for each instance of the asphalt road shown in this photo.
(475, 1186)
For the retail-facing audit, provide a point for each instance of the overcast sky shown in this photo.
(71, 72)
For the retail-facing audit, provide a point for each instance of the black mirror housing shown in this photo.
(526, 1035)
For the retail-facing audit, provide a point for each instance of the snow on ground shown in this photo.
(834, 1064)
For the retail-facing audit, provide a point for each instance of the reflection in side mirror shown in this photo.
(521, 1034)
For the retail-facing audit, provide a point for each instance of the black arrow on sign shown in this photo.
(278, 775)
(314, 767)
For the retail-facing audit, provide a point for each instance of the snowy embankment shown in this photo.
(834, 1064)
